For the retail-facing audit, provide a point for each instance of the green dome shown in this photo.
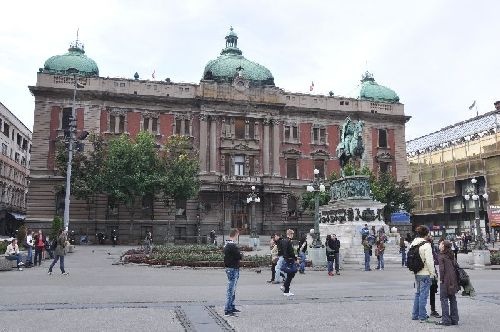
(232, 63)
(75, 58)
(370, 90)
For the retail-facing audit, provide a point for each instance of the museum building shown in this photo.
(247, 131)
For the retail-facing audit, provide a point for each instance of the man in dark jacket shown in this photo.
(232, 257)
(289, 258)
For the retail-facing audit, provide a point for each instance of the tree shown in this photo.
(131, 170)
(395, 195)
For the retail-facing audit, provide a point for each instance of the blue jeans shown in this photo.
(232, 280)
(330, 266)
(403, 257)
(302, 266)
(277, 270)
(367, 260)
(29, 258)
(18, 258)
(61, 263)
(423, 285)
(380, 259)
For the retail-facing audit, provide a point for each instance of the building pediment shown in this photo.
(384, 156)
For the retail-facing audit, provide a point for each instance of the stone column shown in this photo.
(265, 146)
(276, 147)
(213, 144)
(203, 142)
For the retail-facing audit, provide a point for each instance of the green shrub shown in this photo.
(495, 258)
(57, 225)
(3, 247)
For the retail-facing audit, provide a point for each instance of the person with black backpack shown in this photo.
(421, 262)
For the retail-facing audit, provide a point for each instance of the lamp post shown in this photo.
(473, 195)
(316, 187)
(71, 129)
(253, 198)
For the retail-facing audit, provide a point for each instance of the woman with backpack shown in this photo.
(448, 286)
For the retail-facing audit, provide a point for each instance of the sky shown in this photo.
(439, 56)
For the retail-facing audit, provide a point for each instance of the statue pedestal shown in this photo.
(481, 258)
(317, 256)
(254, 242)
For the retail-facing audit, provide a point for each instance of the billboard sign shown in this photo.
(494, 215)
(400, 217)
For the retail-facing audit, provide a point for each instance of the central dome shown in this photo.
(74, 59)
(371, 90)
(232, 63)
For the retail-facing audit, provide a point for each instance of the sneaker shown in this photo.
(337, 273)
(288, 294)
(19, 268)
(435, 314)
(270, 281)
(282, 288)
(236, 310)
(330, 274)
(275, 282)
(427, 320)
(229, 313)
(49, 273)
(21, 263)
(442, 323)
(65, 273)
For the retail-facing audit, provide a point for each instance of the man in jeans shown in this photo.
(232, 257)
(12, 254)
(278, 273)
(424, 276)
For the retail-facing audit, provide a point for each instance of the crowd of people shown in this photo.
(38, 247)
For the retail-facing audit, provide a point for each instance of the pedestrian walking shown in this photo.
(302, 251)
(278, 274)
(448, 286)
(454, 247)
(402, 250)
(367, 249)
(232, 257)
(39, 247)
(290, 259)
(380, 250)
(29, 247)
(59, 252)
(274, 258)
(421, 263)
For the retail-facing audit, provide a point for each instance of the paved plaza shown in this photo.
(100, 296)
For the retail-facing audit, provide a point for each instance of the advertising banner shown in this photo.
(494, 215)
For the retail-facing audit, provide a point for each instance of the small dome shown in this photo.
(75, 58)
(370, 90)
(232, 63)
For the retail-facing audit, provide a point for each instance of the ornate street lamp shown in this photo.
(253, 198)
(473, 195)
(316, 187)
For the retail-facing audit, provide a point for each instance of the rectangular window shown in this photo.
(239, 128)
(16, 157)
(112, 123)
(291, 168)
(384, 167)
(319, 135)
(322, 135)
(319, 164)
(25, 144)
(251, 165)
(154, 125)
(315, 135)
(66, 118)
(239, 165)
(227, 165)
(186, 128)
(4, 149)
(178, 126)
(291, 133)
(145, 126)
(180, 209)
(6, 129)
(287, 133)
(382, 138)
(121, 124)
(295, 133)
(19, 139)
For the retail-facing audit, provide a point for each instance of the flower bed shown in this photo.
(189, 255)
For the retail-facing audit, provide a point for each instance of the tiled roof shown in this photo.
(465, 130)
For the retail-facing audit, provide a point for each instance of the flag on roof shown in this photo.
(153, 74)
(311, 87)
(472, 106)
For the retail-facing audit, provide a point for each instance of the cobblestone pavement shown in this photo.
(100, 296)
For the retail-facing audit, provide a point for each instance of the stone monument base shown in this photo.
(481, 258)
(317, 256)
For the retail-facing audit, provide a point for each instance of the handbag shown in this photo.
(289, 267)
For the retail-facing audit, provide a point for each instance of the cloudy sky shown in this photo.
(439, 56)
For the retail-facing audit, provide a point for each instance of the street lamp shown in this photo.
(253, 198)
(473, 194)
(71, 129)
(316, 187)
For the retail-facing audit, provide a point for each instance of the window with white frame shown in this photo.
(117, 122)
(291, 132)
(319, 135)
(182, 126)
(239, 165)
(150, 122)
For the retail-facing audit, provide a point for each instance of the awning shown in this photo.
(17, 216)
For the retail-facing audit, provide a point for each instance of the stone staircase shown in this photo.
(355, 254)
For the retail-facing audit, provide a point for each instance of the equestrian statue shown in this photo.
(351, 142)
